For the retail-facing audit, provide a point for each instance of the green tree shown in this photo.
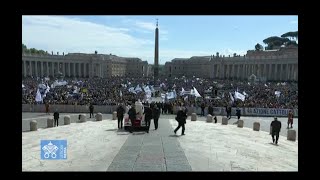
(291, 35)
(258, 47)
(275, 41)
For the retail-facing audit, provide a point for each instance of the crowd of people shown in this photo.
(111, 91)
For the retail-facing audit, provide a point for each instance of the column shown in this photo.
(291, 72)
(264, 71)
(41, 68)
(30, 68)
(233, 71)
(269, 74)
(244, 71)
(276, 72)
(52, 68)
(85, 69)
(63, 68)
(69, 69)
(74, 69)
(47, 69)
(287, 72)
(36, 68)
(24, 69)
(238, 71)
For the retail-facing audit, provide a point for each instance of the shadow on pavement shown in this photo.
(174, 135)
(112, 130)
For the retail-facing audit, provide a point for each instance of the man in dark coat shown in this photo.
(202, 109)
(275, 129)
(147, 117)
(181, 118)
(238, 113)
(156, 115)
(56, 118)
(91, 110)
(210, 110)
(120, 113)
(132, 116)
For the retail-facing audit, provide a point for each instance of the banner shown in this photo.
(266, 111)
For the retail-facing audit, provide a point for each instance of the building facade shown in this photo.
(82, 65)
(279, 65)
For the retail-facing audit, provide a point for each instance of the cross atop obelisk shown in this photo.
(156, 54)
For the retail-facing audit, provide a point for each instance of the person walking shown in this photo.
(120, 113)
(181, 118)
(156, 115)
(147, 117)
(238, 113)
(56, 118)
(275, 130)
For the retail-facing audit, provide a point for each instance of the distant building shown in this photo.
(82, 65)
(280, 65)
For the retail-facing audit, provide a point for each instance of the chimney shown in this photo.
(51, 52)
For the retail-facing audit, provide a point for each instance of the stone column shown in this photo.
(41, 69)
(24, 69)
(69, 69)
(276, 72)
(264, 70)
(85, 69)
(234, 71)
(63, 69)
(52, 68)
(270, 73)
(74, 69)
(30, 68)
(36, 68)
(47, 63)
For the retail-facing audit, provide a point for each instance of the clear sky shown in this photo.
(134, 36)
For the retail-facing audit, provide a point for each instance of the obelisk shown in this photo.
(156, 55)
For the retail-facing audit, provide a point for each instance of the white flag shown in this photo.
(231, 97)
(196, 93)
(182, 92)
(239, 96)
(38, 96)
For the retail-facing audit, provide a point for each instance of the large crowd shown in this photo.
(111, 91)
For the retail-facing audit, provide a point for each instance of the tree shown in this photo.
(291, 35)
(258, 47)
(275, 41)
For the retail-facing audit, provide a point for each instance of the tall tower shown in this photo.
(156, 54)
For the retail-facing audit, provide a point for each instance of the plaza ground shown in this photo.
(100, 146)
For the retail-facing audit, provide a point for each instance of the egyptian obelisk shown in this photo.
(156, 55)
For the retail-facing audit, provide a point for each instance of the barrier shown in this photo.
(291, 135)
(67, 120)
(209, 118)
(99, 117)
(108, 109)
(256, 126)
(33, 125)
(240, 123)
(193, 117)
(50, 123)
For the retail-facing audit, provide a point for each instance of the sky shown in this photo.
(134, 36)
